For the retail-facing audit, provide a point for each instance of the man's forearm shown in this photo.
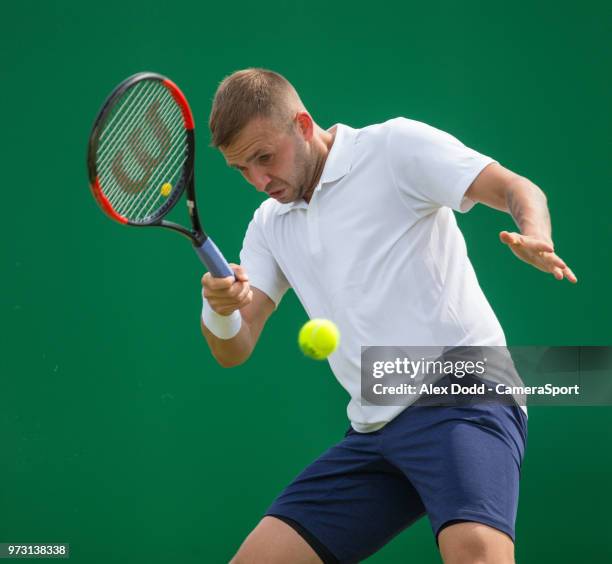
(529, 208)
(504, 190)
(230, 352)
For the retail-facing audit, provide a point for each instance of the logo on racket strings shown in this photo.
(147, 162)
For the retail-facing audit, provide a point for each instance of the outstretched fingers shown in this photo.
(538, 253)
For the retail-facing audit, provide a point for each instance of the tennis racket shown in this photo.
(141, 158)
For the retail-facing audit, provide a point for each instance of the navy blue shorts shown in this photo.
(451, 463)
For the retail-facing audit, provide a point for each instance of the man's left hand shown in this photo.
(538, 253)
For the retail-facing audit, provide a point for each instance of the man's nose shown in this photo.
(260, 180)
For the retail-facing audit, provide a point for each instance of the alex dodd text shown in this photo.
(476, 390)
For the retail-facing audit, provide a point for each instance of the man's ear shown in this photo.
(305, 125)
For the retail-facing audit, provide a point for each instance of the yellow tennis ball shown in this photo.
(166, 189)
(318, 338)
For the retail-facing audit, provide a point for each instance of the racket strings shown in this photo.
(120, 136)
(128, 135)
(170, 163)
(131, 170)
(128, 129)
(118, 125)
(141, 149)
(144, 207)
(122, 195)
(125, 115)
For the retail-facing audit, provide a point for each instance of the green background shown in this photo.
(119, 433)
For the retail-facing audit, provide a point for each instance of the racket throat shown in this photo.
(196, 237)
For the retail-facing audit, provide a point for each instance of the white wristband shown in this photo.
(221, 326)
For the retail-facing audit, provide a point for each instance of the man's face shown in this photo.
(275, 161)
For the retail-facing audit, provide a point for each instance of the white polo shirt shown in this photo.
(377, 250)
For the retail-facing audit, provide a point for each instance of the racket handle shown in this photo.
(215, 262)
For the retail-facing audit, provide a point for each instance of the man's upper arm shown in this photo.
(491, 186)
(431, 168)
(257, 313)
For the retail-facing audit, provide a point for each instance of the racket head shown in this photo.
(141, 150)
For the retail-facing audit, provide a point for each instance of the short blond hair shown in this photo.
(247, 94)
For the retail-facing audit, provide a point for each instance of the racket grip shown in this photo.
(215, 262)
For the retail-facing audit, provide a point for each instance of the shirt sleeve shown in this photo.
(432, 168)
(260, 265)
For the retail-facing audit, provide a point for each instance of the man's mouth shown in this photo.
(276, 193)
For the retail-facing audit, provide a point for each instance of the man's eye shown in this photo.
(265, 158)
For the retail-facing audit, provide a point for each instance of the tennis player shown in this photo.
(360, 223)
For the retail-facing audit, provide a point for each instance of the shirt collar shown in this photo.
(338, 163)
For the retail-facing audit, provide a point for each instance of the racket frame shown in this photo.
(203, 245)
(186, 183)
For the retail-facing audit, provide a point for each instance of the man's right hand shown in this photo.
(226, 295)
